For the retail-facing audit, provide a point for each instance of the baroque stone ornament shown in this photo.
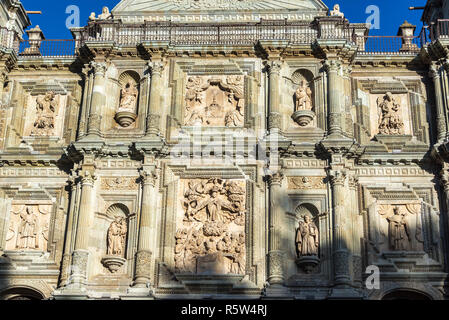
(336, 12)
(211, 239)
(303, 114)
(307, 244)
(390, 119)
(215, 101)
(46, 106)
(28, 228)
(119, 183)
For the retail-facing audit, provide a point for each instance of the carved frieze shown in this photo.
(306, 183)
(211, 227)
(214, 101)
(119, 183)
(28, 228)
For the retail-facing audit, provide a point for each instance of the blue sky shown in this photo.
(392, 13)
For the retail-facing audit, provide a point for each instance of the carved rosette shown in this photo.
(143, 264)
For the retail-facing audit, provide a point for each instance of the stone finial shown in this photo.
(407, 32)
(35, 36)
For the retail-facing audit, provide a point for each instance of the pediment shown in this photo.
(217, 10)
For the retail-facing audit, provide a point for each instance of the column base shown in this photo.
(276, 291)
(139, 293)
(345, 293)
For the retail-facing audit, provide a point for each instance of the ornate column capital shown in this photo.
(353, 182)
(99, 68)
(274, 67)
(337, 178)
(444, 179)
(332, 66)
(275, 178)
(88, 178)
(434, 71)
(148, 177)
(156, 67)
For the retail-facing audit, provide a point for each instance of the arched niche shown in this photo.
(21, 293)
(404, 294)
(129, 82)
(303, 97)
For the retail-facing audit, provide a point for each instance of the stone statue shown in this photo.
(390, 122)
(399, 231)
(336, 12)
(105, 14)
(45, 115)
(117, 237)
(307, 238)
(28, 230)
(129, 94)
(303, 97)
(92, 16)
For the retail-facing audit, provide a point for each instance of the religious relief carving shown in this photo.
(211, 239)
(28, 228)
(404, 226)
(306, 183)
(46, 107)
(119, 183)
(215, 101)
(390, 118)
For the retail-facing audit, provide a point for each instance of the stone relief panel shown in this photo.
(210, 237)
(401, 227)
(214, 101)
(306, 183)
(390, 115)
(119, 183)
(28, 228)
(45, 114)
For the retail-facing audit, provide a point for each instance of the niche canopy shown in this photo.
(227, 11)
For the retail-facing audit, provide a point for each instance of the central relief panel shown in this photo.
(214, 101)
(210, 237)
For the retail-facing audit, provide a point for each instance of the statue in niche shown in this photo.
(129, 94)
(399, 231)
(390, 122)
(117, 237)
(28, 229)
(303, 97)
(45, 115)
(307, 238)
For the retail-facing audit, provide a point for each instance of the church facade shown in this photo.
(245, 149)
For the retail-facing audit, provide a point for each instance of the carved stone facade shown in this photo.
(238, 156)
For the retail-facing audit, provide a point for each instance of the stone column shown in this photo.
(440, 117)
(274, 117)
(98, 101)
(67, 257)
(444, 179)
(155, 108)
(357, 231)
(147, 228)
(3, 79)
(332, 68)
(275, 253)
(340, 245)
(81, 253)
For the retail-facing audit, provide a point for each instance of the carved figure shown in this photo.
(45, 116)
(303, 97)
(390, 121)
(336, 12)
(117, 237)
(399, 231)
(28, 229)
(105, 14)
(129, 95)
(307, 238)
